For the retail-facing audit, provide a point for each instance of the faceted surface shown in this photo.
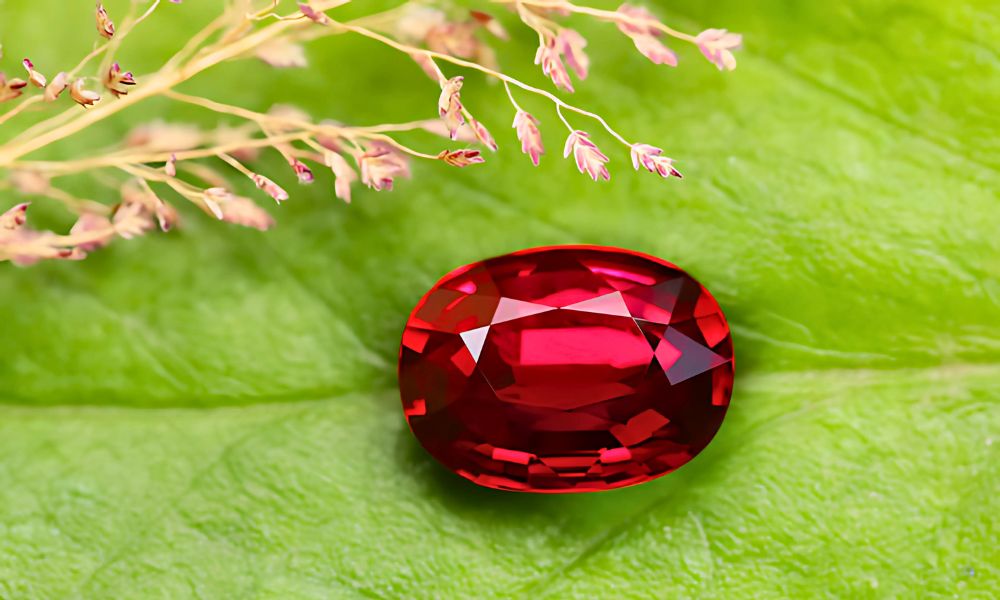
(566, 369)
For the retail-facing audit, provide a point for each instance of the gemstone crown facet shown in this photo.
(566, 369)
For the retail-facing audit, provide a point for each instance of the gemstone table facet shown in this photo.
(566, 369)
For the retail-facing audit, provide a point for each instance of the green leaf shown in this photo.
(212, 412)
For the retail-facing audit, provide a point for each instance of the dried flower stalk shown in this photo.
(160, 161)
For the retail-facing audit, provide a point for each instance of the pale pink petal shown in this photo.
(236, 209)
(132, 220)
(588, 157)
(56, 86)
(483, 134)
(651, 158)
(381, 165)
(717, 46)
(641, 21)
(96, 228)
(343, 174)
(243, 211)
(528, 134)
(550, 59)
(271, 188)
(37, 79)
(651, 48)
(571, 45)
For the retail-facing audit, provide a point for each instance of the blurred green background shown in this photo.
(212, 412)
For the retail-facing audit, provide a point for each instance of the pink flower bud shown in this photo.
(343, 174)
(717, 46)
(56, 87)
(483, 134)
(105, 26)
(650, 158)
(271, 188)
(313, 15)
(589, 159)
(380, 166)
(550, 59)
(303, 172)
(81, 96)
(37, 79)
(529, 136)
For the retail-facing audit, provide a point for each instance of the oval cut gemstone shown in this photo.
(566, 369)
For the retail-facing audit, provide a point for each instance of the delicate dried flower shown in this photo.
(282, 54)
(529, 136)
(236, 209)
(650, 158)
(550, 58)
(303, 172)
(313, 15)
(380, 166)
(166, 215)
(13, 218)
(343, 174)
(56, 86)
(138, 192)
(271, 188)
(24, 246)
(641, 27)
(170, 168)
(242, 211)
(450, 105)
(213, 198)
(131, 220)
(12, 88)
(589, 159)
(95, 229)
(461, 158)
(81, 96)
(37, 79)
(717, 46)
(490, 23)
(482, 134)
(571, 44)
(114, 79)
(105, 26)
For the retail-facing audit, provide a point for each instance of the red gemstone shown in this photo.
(566, 369)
